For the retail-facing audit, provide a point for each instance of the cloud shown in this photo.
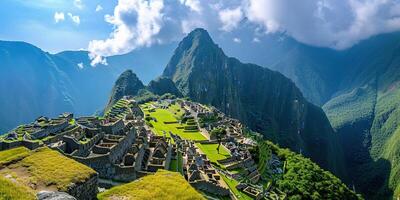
(78, 4)
(194, 5)
(80, 65)
(59, 16)
(230, 18)
(135, 22)
(337, 24)
(74, 18)
(99, 8)
(237, 40)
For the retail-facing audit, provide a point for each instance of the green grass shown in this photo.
(13, 155)
(165, 115)
(264, 154)
(211, 151)
(232, 183)
(52, 168)
(163, 185)
(10, 190)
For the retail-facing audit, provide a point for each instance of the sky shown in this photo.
(113, 27)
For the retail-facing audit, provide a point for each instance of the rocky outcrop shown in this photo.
(163, 85)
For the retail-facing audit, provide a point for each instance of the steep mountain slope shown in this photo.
(163, 85)
(31, 84)
(365, 113)
(127, 84)
(265, 100)
(38, 83)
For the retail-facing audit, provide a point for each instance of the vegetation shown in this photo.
(51, 168)
(218, 133)
(13, 155)
(10, 190)
(166, 120)
(232, 183)
(163, 185)
(212, 153)
(304, 179)
(349, 108)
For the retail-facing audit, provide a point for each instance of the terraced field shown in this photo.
(167, 120)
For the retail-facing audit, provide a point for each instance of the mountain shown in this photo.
(127, 84)
(366, 114)
(358, 89)
(38, 83)
(264, 100)
(163, 85)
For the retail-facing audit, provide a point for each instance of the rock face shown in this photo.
(163, 85)
(128, 84)
(264, 100)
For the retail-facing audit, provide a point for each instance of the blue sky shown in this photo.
(33, 22)
(125, 25)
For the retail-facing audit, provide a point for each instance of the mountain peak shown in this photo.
(127, 84)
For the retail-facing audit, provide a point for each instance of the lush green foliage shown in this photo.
(163, 185)
(304, 179)
(351, 107)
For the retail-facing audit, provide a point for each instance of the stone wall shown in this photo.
(86, 190)
(211, 188)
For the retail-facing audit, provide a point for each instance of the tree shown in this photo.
(218, 133)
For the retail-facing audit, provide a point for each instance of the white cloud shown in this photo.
(80, 65)
(99, 8)
(230, 18)
(59, 16)
(78, 4)
(136, 22)
(337, 24)
(237, 40)
(74, 18)
(194, 5)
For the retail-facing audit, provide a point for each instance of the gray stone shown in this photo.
(47, 195)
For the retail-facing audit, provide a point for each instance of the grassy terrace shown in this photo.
(43, 167)
(167, 120)
(12, 155)
(211, 151)
(232, 183)
(162, 185)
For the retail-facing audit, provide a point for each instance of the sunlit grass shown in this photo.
(13, 155)
(163, 185)
(52, 168)
(10, 190)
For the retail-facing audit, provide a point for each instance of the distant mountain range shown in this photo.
(34, 82)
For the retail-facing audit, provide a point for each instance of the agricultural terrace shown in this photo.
(211, 151)
(44, 168)
(161, 185)
(164, 119)
(118, 110)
